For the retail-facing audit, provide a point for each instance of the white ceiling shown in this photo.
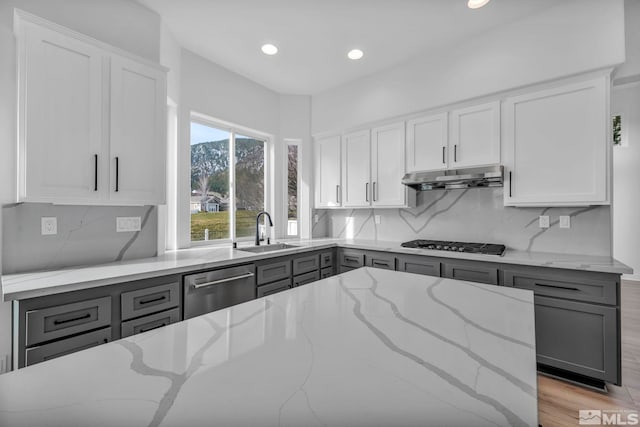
(314, 36)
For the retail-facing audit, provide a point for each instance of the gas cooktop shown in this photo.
(476, 248)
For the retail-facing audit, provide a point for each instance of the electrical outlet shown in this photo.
(565, 221)
(49, 226)
(128, 223)
(543, 221)
(377, 219)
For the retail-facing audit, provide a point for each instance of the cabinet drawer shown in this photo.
(380, 260)
(472, 272)
(344, 269)
(274, 288)
(147, 323)
(566, 284)
(326, 272)
(306, 264)
(419, 265)
(304, 279)
(149, 300)
(352, 259)
(70, 345)
(274, 271)
(326, 259)
(63, 320)
(578, 337)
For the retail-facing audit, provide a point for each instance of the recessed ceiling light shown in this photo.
(269, 49)
(476, 4)
(355, 54)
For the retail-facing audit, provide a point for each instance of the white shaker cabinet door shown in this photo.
(387, 165)
(327, 172)
(60, 117)
(475, 136)
(427, 143)
(356, 169)
(557, 146)
(138, 141)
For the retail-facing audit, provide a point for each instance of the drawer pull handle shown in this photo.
(153, 300)
(217, 282)
(153, 327)
(73, 319)
(565, 288)
(386, 264)
(351, 259)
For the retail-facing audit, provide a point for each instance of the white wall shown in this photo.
(570, 38)
(295, 124)
(631, 68)
(212, 90)
(625, 101)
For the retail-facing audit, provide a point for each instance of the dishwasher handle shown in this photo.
(217, 282)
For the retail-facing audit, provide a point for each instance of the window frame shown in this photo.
(298, 144)
(233, 130)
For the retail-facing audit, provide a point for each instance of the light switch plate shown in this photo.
(544, 221)
(49, 226)
(128, 223)
(565, 221)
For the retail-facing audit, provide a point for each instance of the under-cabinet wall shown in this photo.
(439, 213)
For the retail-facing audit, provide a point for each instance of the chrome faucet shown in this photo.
(258, 225)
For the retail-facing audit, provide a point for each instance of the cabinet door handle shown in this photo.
(443, 151)
(217, 282)
(375, 195)
(117, 174)
(95, 172)
(455, 153)
(366, 192)
(73, 319)
(149, 301)
(337, 193)
(510, 186)
(564, 288)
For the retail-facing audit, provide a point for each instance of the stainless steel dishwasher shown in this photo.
(216, 289)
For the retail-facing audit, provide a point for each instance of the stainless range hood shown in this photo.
(490, 176)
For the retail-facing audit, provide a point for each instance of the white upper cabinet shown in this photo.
(327, 154)
(356, 169)
(82, 105)
(475, 136)
(60, 118)
(138, 142)
(556, 146)
(387, 166)
(427, 139)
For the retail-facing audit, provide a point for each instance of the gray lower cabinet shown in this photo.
(306, 264)
(272, 270)
(480, 272)
(149, 300)
(306, 278)
(273, 288)
(149, 322)
(578, 337)
(350, 259)
(384, 260)
(419, 265)
(326, 272)
(59, 348)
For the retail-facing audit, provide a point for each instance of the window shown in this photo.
(227, 182)
(292, 189)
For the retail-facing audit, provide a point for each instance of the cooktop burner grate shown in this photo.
(441, 245)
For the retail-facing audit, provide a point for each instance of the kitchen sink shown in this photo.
(267, 248)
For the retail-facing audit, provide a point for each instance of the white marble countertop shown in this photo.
(366, 348)
(29, 285)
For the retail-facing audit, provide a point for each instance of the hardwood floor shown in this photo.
(559, 402)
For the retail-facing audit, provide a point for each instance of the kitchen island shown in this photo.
(366, 348)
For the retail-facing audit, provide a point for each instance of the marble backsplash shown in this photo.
(474, 215)
(86, 235)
